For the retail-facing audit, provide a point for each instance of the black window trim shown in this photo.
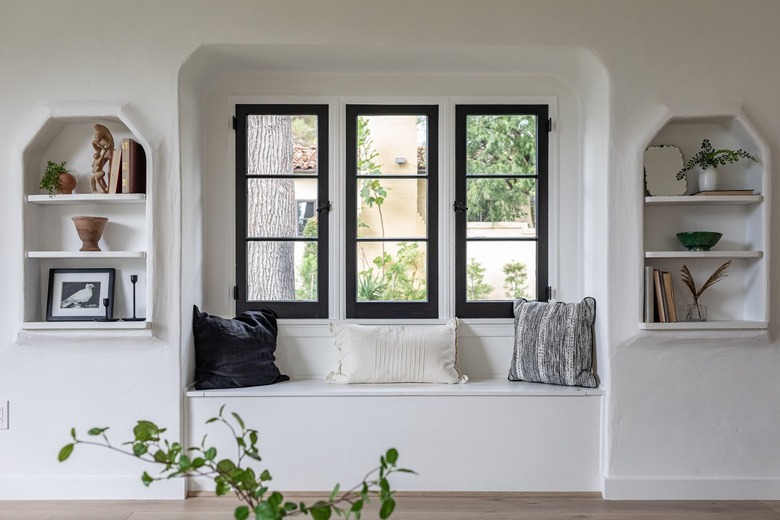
(284, 309)
(500, 309)
(402, 310)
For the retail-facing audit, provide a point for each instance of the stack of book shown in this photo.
(659, 305)
(128, 169)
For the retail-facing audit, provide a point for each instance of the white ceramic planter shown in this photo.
(708, 179)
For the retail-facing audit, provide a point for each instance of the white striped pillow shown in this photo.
(396, 354)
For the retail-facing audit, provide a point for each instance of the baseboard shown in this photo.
(691, 488)
(90, 489)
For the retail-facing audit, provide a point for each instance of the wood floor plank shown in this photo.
(413, 506)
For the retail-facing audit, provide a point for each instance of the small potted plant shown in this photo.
(56, 178)
(708, 159)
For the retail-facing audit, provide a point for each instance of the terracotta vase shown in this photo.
(67, 183)
(90, 229)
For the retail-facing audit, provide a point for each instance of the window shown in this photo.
(281, 209)
(501, 170)
(391, 211)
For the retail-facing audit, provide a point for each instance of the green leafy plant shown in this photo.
(248, 484)
(476, 288)
(708, 156)
(515, 276)
(50, 181)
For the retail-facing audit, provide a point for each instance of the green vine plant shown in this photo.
(248, 484)
(708, 156)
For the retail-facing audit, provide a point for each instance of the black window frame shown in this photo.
(502, 308)
(385, 309)
(284, 309)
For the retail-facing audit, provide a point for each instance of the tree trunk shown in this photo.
(271, 209)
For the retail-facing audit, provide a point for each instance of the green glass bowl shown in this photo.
(699, 240)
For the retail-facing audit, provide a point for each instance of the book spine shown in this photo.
(649, 295)
(659, 295)
(669, 297)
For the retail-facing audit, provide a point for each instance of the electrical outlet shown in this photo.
(4, 415)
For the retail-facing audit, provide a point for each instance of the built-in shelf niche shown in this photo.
(50, 238)
(741, 300)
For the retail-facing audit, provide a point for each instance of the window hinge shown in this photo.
(324, 208)
(235, 292)
(458, 206)
(549, 125)
(234, 122)
(548, 295)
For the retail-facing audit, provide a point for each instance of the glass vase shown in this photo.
(695, 312)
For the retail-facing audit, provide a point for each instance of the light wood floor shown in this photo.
(414, 506)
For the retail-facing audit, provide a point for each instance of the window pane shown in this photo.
(281, 145)
(281, 271)
(392, 145)
(500, 270)
(280, 208)
(392, 208)
(501, 207)
(501, 144)
(391, 271)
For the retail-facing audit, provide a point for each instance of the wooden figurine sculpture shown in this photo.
(103, 143)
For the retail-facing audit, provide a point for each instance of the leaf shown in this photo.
(264, 511)
(96, 431)
(65, 452)
(213, 419)
(320, 512)
(241, 513)
(73, 433)
(265, 475)
(225, 466)
(239, 420)
(392, 455)
(139, 449)
(146, 479)
(210, 454)
(335, 492)
(387, 508)
(357, 506)
(223, 488)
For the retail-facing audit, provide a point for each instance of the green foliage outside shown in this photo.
(306, 288)
(515, 276)
(476, 288)
(250, 485)
(500, 145)
(388, 279)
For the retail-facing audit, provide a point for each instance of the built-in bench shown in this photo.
(489, 434)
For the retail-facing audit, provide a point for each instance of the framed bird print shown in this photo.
(77, 294)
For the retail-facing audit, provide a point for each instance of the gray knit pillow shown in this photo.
(554, 343)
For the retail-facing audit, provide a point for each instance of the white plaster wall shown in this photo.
(686, 416)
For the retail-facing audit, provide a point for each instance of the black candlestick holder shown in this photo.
(134, 280)
(107, 305)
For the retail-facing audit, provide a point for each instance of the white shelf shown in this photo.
(85, 325)
(88, 198)
(704, 199)
(704, 254)
(705, 325)
(86, 254)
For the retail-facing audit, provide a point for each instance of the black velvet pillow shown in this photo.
(234, 353)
